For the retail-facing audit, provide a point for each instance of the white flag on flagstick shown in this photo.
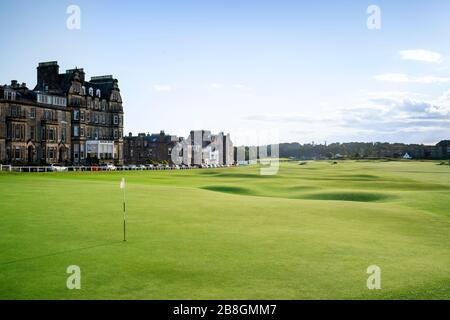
(122, 183)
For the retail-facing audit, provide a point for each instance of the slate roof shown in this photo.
(104, 83)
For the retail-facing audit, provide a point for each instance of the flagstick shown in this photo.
(124, 217)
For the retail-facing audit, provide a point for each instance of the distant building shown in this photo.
(64, 119)
(199, 148)
(198, 140)
(148, 148)
(444, 148)
(228, 150)
(206, 148)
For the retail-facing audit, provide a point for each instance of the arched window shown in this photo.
(83, 90)
(91, 92)
(98, 93)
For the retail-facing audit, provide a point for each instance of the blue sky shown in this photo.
(306, 70)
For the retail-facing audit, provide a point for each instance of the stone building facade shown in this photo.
(33, 133)
(444, 148)
(149, 148)
(63, 120)
(201, 147)
(208, 148)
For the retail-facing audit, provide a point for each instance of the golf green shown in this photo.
(309, 232)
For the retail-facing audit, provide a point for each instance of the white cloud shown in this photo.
(162, 88)
(395, 115)
(392, 77)
(404, 78)
(421, 55)
(216, 85)
(289, 118)
(443, 102)
(365, 94)
(400, 113)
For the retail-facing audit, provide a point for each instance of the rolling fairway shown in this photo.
(309, 232)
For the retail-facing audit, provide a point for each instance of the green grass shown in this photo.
(309, 232)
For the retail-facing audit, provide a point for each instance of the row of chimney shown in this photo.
(15, 84)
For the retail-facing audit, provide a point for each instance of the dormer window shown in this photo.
(10, 95)
(115, 96)
(91, 92)
(98, 93)
(77, 88)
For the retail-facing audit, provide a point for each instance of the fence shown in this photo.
(5, 168)
(11, 168)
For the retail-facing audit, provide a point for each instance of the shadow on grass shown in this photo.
(229, 189)
(348, 196)
(222, 174)
(60, 252)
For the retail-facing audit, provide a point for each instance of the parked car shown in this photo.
(150, 167)
(54, 168)
(110, 167)
(132, 167)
